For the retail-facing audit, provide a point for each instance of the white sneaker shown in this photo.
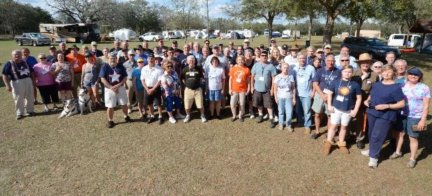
(129, 111)
(266, 116)
(373, 163)
(252, 116)
(186, 119)
(276, 119)
(203, 119)
(365, 153)
(180, 116)
(172, 120)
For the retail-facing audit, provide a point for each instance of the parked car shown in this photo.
(150, 36)
(170, 35)
(373, 46)
(285, 36)
(403, 40)
(276, 34)
(34, 39)
(123, 34)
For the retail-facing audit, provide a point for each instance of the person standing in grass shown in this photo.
(192, 77)
(239, 87)
(215, 79)
(171, 91)
(343, 100)
(384, 102)
(285, 96)
(90, 77)
(139, 88)
(64, 77)
(44, 80)
(18, 79)
(113, 76)
(417, 95)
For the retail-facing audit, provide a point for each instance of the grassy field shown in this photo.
(42, 155)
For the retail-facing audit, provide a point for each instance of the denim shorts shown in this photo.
(215, 95)
(408, 123)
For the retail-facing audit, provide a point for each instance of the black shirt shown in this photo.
(193, 77)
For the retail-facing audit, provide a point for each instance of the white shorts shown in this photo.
(111, 98)
(340, 117)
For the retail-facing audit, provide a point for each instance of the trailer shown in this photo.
(74, 32)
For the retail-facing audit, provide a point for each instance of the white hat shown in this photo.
(93, 43)
(246, 41)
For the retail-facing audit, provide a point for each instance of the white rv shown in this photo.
(403, 40)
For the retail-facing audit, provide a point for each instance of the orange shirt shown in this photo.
(76, 62)
(239, 77)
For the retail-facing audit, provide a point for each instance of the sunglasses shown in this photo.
(169, 66)
(43, 58)
(344, 60)
(141, 62)
(378, 67)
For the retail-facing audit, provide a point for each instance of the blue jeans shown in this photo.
(303, 110)
(378, 129)
(285, 107)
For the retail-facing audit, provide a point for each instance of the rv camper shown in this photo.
(76, 32)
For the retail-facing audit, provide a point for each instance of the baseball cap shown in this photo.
(246, 41)
(93, 43)
(328, 46)
(284, 47)
(131, 52)
(415, 71)
(88, 54)
(319, 50)
(140, 60)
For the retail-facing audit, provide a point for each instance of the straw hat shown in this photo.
(365, 58)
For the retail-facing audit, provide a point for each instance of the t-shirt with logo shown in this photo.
(15, 71)
(325, 77)
(285, 86)
(414, 99)
(215, 76)
(344, 94)
(76, 62)
(113, 75)
(65, 75)
(192, 77)
(43, 75)
(263, 76)
(239, 77)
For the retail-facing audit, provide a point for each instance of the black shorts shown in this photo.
(49, 94)
(153, 98)
(261, 99)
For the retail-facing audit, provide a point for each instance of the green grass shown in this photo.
(43, 155)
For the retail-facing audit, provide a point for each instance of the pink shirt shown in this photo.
(42, 75)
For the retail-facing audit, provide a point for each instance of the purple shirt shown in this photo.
(42, 74)
(414, 96)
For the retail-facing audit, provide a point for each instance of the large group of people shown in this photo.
(367, 98)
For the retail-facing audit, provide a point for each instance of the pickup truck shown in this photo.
(33, 39)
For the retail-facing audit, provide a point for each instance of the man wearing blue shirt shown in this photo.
(321, 83)
(114, 76)
(261, 83)
(304, 73)
(31, 61)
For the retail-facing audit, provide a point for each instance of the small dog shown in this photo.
(84, 101)
(69, 109)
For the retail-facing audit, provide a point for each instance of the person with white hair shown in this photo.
(18, 79)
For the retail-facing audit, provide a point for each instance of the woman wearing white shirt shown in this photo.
(215, 79)
(284, 88)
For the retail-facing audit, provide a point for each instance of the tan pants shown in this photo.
(22, 92)
(191, 95)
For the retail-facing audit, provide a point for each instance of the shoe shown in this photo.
(233, 119)
(395, 155)
(265, 116)
(186, 119)
(373, 163)
(343, 148)
(30, 114)
(110, 124)
(19, 117)
(127, 119)
(180, 116)
(150, 119)
(411, 163)
(281, 127)
(203, 119)
(143, 118)
(327, 147)
(272, 124)
(307, 131)
(360, 145)
(365, 153)
(46, 110)
(219, 117)
(252, 116)
(276, 119)
(241, 119)
(172, 120)
(290, 129)
(129, 111)
(260, 119)
(36, 102)
(161, 121)
(314, 136)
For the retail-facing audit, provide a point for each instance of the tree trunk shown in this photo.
(359, 25)
(328, 29)
(270, 28)
(400, 28)
(310, 27)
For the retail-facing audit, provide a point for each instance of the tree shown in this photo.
(360, 11)
(333, 9)
(260, 9)
(84, 10)
(305, 8)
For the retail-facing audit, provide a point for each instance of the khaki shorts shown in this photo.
(112, 99)
(191, 95)
(319, 106)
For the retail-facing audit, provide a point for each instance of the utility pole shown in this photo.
(208, 19)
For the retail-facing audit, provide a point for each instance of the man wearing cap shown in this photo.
(304, 73)
(130, 65)
(291, 59)
(320, 54)
(174, 44)
(344, 51)
(246, 44)
(52, 54)
(90, 76)
(327, 49)
(365, 77)
(284, 51)
(216, 53)
(18, 79)
(113, 76)
(192, 77)
(76, 60)
(150, 75)
(263, 74)
(321, 83)
(95, 50)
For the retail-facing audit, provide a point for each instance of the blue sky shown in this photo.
(216, 7)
